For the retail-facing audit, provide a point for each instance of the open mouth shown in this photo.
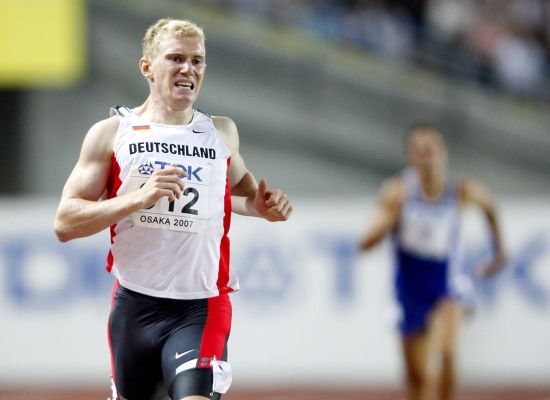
(183, 84)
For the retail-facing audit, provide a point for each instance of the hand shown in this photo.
(272, 205)
(162, 183)
(492, 267)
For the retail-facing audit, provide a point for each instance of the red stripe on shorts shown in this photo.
(216, 330)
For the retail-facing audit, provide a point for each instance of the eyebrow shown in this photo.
(178, 53)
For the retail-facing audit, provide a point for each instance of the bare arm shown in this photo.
(386, 213)
(249, 197)
(473, 192)
(81, 211)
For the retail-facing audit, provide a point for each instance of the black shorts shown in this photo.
(167, 344)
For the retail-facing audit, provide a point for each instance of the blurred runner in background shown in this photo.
(420, 208)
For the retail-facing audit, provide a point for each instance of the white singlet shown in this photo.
(176, 250)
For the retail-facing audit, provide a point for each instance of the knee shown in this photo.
(448, 357)
(417, 378)
(448, 351)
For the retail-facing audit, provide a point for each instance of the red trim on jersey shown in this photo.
(115, 287)
(223, 271)
(216, 330)
(112, 188)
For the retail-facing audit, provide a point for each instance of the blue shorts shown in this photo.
(420, 285)
(415, 314)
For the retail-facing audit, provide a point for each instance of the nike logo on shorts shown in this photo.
(179, 355)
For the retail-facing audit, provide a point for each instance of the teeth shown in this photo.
(184, 84)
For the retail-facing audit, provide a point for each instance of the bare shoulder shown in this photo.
(88, 178)
(106, 128)
(100, 137)
(393, 191)
(469, 182)
(472, 189)
(228, 131)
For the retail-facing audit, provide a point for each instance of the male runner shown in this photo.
(421, 208)
(165, 177)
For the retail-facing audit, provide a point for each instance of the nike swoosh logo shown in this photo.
(179, 355)
(195, 131)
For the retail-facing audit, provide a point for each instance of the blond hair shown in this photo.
(171, 27)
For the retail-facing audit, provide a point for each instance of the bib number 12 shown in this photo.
(187, 208)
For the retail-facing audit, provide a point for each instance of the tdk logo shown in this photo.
(193, 172)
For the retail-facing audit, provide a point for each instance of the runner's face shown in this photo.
(427, 151)
(178, 70)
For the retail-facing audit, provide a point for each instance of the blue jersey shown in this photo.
(426, 250)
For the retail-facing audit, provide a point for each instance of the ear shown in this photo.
(145, 68)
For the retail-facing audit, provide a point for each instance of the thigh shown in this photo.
(135, 355)
(416, 349)
(445, 321)
(420, 346)
(188, 351)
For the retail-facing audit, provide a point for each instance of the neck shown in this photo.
(432, 182)
(158, 112)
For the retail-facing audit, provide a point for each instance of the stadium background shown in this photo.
(321, 92)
